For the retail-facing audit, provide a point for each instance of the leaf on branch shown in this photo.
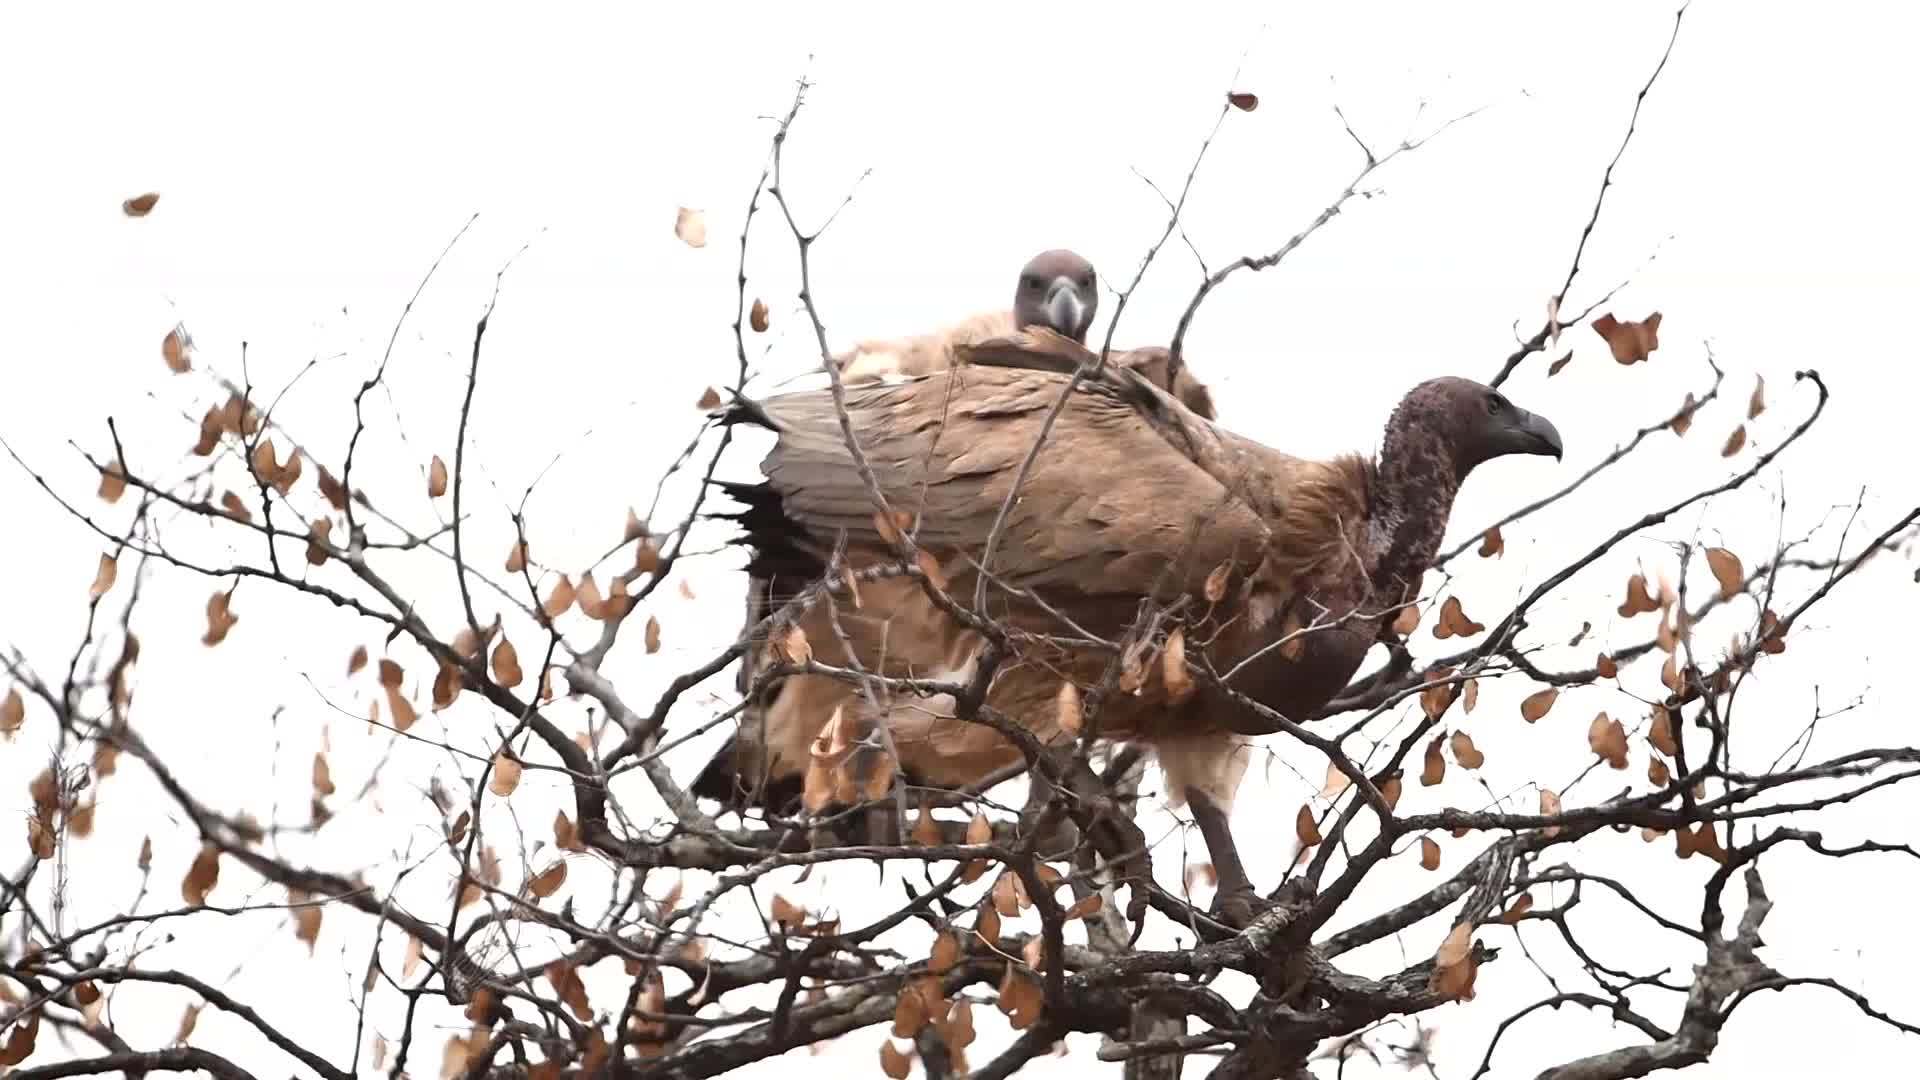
(1657, 773)
(1521, 905)
(587, 597)
(1670, 675)
(566, 836)
(1173, 668)
(1215, 588)
(1660, 732)
(1538, 703)
(1305, 829)
(757, 316)
(894, 1062)
(1435, 767)
(307, 917)
(1390, 791)
(1605, 667)
(892, 529)
(457, 832)
(787, 915)
(653, 635)
(506, 664)
(1727, 571)
(322, 775)
(1554, 368)
(506, 775)
(1631, 342)
(946, 953)
(404, 714)
(1492, 543)
(317, 536)
(1464, 752)
(1083, 907)
(926, 831)
(436, 477)
(1773, 633)
(103, 578)
(332, 490)
(137, 207)
(1454, 965)
(1550, 807)
(188, 1019)
(1437, 698)
(559, 599)
(235, 508)
(1454, 622)
(201, 877)
(1638, 599)
(1019, 998)
(1757, 404)
(1471, 691)
(1735, 441)
(1242, 100)
(1407, 620)
(1336, 781)
(13, 712)
(1066, 705)
(220, 618)
(691, 227)
(1429, 853)
(177, 350)
(1608, 740)
(1006, 894)
(548, 881)
(113, 482)
(793, 646)
(517, 556)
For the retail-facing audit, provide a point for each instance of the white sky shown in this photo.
(311, 169)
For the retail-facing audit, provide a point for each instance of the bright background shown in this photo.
(312, 167)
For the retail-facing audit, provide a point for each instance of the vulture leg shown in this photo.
(1236, 903)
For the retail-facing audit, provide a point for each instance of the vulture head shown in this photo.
(1056, 291)
(1467, 424)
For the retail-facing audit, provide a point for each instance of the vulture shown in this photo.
(1274, 572)
(1057, 291)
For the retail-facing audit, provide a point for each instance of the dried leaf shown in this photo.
(318, 534)
(1520, 906)
(1454, 622)
(177, 350)
(653, 635)
(1435, 768)
(1550, 806)
(1083, 907)
(1735, 442)
(201, 876)
(322, 775)
(517, 557)
(404, 714)
(220, 618)
(1336, 782)
(306, 924)
(188, 1019)
(113, 482)
(1173, 668)
(794, 647)
(1390, 791)
(1630, 341)
(946, 953)
(566, 836)
(1006, 898)
(894, 1062)
(1727, 571)
(13, 712)
(506, 664)
(691, 227)
(1638, 599)
(1492, 543)
(1757, 404)
(103, 578)
(548, 881)
(137, 207)
(506, 775)
(1464, 752)
(1657, 773)
(986, 925)
(930, 568)
(332, 490)
(436, 477)
(787, 915)
(757, 316)
(1453, 964)
(1242, 100)
(1537, 703)
(1429, 853)
(559, 599)
(1554, 368)
(1472, 694)
(1305, 829)
(1605, 667)
(892, 529)
(1438, 697)
(1660, 732)
(1215, 589)
(1608, 739)
(1408, 619)
(1019, 998)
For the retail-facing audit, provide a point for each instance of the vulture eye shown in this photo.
(1087, 282)
(1030, 282)
(1495, 403)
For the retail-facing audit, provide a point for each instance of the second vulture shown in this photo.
(1281, 572)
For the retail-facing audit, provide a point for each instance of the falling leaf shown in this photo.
(1453, 964)
(436, 477)
(1492, 544)
(1735, 441)
(757, 316)
(1520, 906)
(1549, 807)
(1537, 703)
(1405, 622)
(13, 712)
(1757, 404)
(140, 205)
(1429, 853)
(506, 775)
(894, 1062)
(1605, 667)
(1727, 571)
(691, 227)
(1464, 752)
(201, 876)
(1554, 368)
(1435, 768)
(1066, 705)
(548, 881)
(1173, 668)
(1630, 341)
(103, 578)
(1638, 600)
(1304, 827)
(1608, 739)
(1454, 622)
(1242, 100)
(220, 618)
(506, 664)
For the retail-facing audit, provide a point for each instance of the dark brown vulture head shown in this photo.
(1468, 424)
(1057, 290)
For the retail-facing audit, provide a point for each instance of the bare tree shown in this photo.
(634, 933)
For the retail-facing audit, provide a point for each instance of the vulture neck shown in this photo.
(1414, 483)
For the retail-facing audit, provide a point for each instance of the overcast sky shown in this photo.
(311, 168)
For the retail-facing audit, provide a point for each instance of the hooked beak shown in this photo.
(1536, 434)
(1064, 308)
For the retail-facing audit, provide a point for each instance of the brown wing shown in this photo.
(1126, 484)
(1153, 363)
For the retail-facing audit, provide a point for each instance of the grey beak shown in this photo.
(1064, 308)
(1537, 434)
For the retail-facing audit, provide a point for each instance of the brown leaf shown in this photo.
(1435, 769)
(1537, 703)
(1454, 964)
(1437, 698)
(1336, 782)
(1491, 543)
(332, 490)
(1519, 908)
(1454, 622)
(1670, 675)
(1606, 667)
(894, 1062)
(757, 316)
(926, 831)
(1390, 790)
(103, 577)
(1638, 599)
(41, 838)
(322, 775)
(113, 482)
(1464, 752)
(306, 924)
(691, 227)
(892, 529)
(1242, 100)
(220, 618)
(517, 557)
(559, 599)
(404, 714)
(1657, 773)
(1429, 853)
(137, 207)
(457, 832)
(1773, 639)
(1066, 705)
(1683, 420)
(1408, 619)
(1019, 998)
(1305, 829)
(1608, 740)
(548, 881)
(13, 712)
(1173, 668)
(1630, 341)
(653, 635)
(201, 876)
(1006, 897)
(1735, 442)
(506, 664)
(566, 836)
(1727, 570)
(930, 567)
(1550, 806)
(1757, 404)
(1660, 733)
(787, 915)
(1215, 589)
(506, 775)
(177, 350)
(1083, 907)
(794, 647)
(1554, 368)
(946, 953)
(188, 1019)
(909, 1013)
(317, 535)
(588, 599)
(436, 477)
(1472, 694)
